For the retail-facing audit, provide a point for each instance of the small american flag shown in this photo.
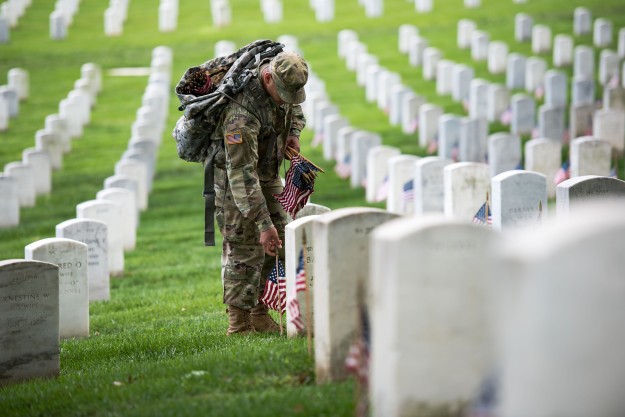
(343, 168)
(295, 315)
(506, 117)
(357, 360)
(274, 295)
(300, 277)
(563, 174)
(432, 147)
(455, 153)
(299, 185)
(408, 191)
(382, 190)
(317, 140)
(485, 404)
(539, 92)
(481, 218)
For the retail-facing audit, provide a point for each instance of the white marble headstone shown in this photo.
(519, 199)
(562, 346)
(465, 185)
(544, 156)
(428, 185)
(377, 172)
(71, 258)
(293, 248)
(574, 192)
(110, 214)
(590, 156)
(39, 161)
(429, 312)
(24, 176)
(504, 152)
(126, 199)
(93, 233)
(29, 317)
(9, 203)
(341, 266)
(400, 171)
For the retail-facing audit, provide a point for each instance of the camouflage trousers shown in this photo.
(245, 266)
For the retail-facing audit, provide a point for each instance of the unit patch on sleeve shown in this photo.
(234, 138)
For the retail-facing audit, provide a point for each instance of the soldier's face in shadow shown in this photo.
(270, 87)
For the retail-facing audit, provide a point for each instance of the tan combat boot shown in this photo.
(238, 321)
(262, 321)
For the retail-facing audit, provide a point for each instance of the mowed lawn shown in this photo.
(158, 347)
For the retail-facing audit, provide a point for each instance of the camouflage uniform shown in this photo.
(254, 131)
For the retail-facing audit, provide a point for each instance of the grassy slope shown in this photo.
(158, 347)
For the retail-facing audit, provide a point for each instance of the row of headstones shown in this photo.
(449, 130)
(115, 16)
(540, 35)
(489, 101)
(125, 194)
(21, 182)
(375, 8)
(426, 6)
(446, 265)
(414, 185)
(499, 60)
(47, 294)
(493, 100)
(62, 18)
(16, 90)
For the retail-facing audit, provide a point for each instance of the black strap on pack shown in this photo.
(209, 197)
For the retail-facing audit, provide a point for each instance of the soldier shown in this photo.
(256, 127)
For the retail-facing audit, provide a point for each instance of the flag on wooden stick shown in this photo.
(295, 315)
(299, 183)
(484, 215)
(274, 295)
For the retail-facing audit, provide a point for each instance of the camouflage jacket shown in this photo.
(254, 131)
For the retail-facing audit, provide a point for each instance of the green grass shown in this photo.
(158, 346)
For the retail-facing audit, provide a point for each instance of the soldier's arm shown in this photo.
(298, 121)
(240, 140)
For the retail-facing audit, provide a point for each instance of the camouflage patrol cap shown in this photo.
(289, 72)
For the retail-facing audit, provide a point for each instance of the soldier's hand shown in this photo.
(270, 241)
(293, 142)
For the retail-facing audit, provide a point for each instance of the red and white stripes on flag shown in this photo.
(297, 188)
(295, 315)
(274, 295)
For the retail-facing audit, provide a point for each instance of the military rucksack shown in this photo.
(205, 90)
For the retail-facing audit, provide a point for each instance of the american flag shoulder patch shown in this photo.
(234, 138)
